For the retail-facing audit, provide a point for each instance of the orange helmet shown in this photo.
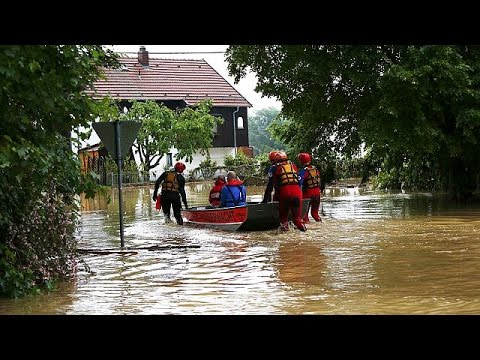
(179, 167)
(304, 158)
(275, 155)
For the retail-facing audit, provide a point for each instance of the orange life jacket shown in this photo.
(171, 182)
(313, 180)
(287, 175)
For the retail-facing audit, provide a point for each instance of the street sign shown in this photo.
(118, 138)
(128, 134)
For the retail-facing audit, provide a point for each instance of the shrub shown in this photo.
(40, 247)
(206, 169)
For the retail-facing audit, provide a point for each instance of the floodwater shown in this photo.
(374, 253)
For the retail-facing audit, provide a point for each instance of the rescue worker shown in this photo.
(283, 176)
(310, 182)
(234, 193)
(173, 187)
(214, 196)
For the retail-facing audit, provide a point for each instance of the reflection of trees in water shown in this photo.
(99, 202)
(301, 262)
(200, 187)
(137, 206)
(57, 302)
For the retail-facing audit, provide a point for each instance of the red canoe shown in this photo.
(230, 218)
(250, 217)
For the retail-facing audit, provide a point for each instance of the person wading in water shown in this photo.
(173, 187)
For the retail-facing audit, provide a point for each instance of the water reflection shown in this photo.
(374, 253)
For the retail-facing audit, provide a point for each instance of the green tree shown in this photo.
(259, 133)
(408, 103)
(188, 130)
(42, 98)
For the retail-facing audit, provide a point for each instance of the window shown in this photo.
(215, 127)
(240, 122)
(169, 159)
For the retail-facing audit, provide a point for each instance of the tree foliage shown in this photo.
(405, 103)
(259, 133)
(42, 98)
(189, 130)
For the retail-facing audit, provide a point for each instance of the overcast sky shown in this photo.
(245, 87)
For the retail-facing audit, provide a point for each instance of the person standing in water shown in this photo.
(283, 176)
(173, 189)
(310, 185)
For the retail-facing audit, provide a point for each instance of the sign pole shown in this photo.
(119, 172)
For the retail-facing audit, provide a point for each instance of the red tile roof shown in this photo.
(168, 79)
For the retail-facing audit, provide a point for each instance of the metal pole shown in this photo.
(119, 173)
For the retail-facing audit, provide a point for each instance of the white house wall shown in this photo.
(216, 154)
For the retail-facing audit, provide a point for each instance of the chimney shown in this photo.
(143, 56)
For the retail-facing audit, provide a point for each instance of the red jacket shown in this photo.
(214, 197)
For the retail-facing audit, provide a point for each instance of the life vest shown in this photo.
(170, 183)
(287, 175)
(313, 179)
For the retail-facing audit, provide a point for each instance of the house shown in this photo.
(178, 83)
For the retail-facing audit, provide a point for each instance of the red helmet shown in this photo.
(179, 167)
(275, 155)
(304, 158)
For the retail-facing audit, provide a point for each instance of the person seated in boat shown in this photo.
(173, 187)
(310, 185)
(283, 177)
(234, 193)
(214, 197)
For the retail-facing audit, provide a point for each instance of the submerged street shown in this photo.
(374, 253)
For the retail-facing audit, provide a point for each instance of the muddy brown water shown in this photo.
(374, 253)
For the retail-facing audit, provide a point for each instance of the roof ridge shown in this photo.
(150, 58)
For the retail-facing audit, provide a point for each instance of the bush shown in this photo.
(247, 168)
(40, 247)
(206, 169)
(42, 99)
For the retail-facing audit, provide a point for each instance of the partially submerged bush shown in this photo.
(40, 247)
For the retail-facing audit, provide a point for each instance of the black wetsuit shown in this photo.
(173, 187)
